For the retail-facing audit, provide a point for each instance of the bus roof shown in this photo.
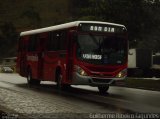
(63, 26)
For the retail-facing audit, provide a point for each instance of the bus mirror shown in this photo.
(130, 53)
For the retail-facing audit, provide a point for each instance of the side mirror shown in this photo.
(130, 53)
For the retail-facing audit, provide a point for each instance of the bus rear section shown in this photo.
(92, 53)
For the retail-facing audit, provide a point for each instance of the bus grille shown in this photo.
(102, 75)
(97, 80)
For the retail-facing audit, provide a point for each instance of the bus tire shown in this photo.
(30, 80)
(103, 89)
(66, 86)
(59, 80)
(36, 82)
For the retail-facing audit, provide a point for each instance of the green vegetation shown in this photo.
(21, 15)
(141, 17)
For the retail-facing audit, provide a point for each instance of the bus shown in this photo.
(76, 53)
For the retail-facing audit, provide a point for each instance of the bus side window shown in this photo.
(48, 45)
(32, 46)
(41, 41)
(50, 42)
(62, 40)
(56, 41)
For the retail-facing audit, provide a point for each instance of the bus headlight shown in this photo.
(80, 71)
(122, 74)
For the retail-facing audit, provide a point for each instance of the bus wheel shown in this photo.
(66, 86)
(29, 78)
(59, 81)
(103, 89)
(36, 82)
(32, 81)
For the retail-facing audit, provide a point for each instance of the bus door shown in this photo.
(41, 46)
(70, 47)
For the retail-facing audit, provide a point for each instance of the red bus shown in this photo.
(76, 53)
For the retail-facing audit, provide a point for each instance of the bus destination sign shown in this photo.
(100, 28)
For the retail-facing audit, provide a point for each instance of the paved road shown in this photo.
(47, 100)
(42, 102)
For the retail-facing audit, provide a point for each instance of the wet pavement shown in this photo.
(45, 101)
(35, 102)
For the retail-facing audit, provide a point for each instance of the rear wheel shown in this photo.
(103, 89)
(32, 81)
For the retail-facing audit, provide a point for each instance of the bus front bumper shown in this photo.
(93, 81)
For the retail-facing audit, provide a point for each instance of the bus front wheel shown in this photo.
(103, 89)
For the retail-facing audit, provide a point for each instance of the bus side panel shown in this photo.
(55, 55)
(21, 57)
(50, 63)
(62, 65)
(42, 41)
(32, 59)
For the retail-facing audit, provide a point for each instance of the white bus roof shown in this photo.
(63, 26)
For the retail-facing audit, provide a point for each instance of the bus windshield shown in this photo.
(101, 49)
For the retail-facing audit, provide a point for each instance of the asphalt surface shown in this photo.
(46, 101)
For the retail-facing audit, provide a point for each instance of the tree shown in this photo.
(8, 39)
(141, 17)
(32, 16)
